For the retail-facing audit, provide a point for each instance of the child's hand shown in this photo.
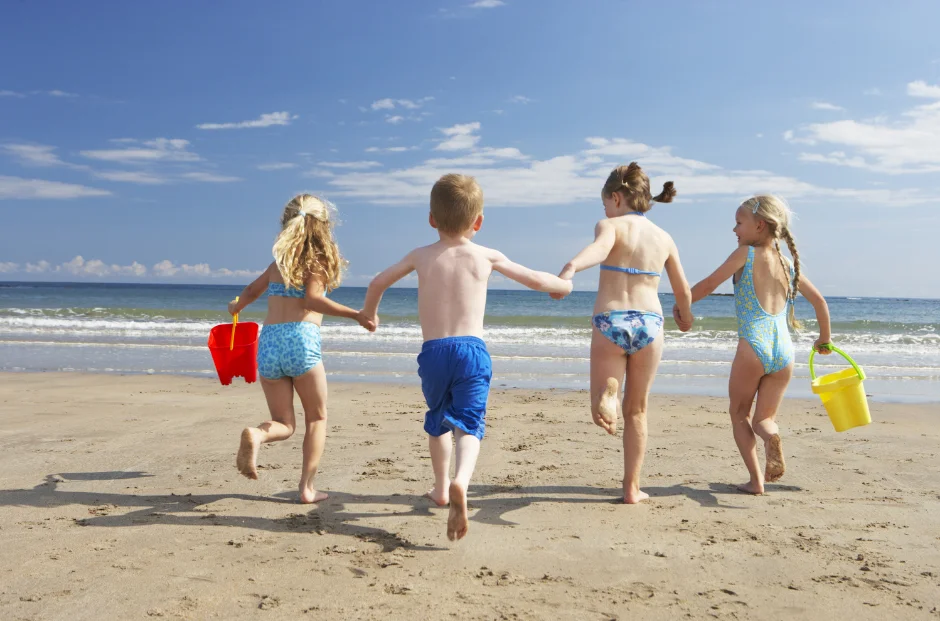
(233, 308)
(561, 296)
(684, 326)
(369, 323)
(567, 272)
(822, 347)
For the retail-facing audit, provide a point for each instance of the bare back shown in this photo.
(290, 310)
(452, 281)
(638, 244)
(770, 279)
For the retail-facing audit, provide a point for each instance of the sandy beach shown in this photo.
(120, 500)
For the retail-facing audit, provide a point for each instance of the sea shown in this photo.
(535, 342)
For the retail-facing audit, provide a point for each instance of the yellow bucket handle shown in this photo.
(234, 324)
(812, 370)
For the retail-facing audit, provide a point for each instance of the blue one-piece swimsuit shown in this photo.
(631, 330)
(288, 349)
(768, 335)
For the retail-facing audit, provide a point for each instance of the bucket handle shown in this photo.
(231, 345)
(812, 370)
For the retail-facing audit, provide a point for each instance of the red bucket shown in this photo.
(235, 360)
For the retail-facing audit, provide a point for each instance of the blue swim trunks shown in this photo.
(288, 349)
(455, 377)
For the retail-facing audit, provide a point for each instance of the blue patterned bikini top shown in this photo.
(281, 290)
(631, 270)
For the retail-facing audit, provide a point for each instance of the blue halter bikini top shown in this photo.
(631, 270)
(279, 289)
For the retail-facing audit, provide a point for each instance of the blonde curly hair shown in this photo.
(305, 246)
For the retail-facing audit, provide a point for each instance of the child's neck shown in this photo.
(454, 239)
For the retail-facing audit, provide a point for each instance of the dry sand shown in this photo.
(120, 500)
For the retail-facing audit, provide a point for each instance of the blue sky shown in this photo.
(158, 142)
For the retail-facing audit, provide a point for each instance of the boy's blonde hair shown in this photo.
(776, 213)
(634, 186)
(305, 247)
(456, 201)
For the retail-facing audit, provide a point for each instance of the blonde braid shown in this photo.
(793, 289)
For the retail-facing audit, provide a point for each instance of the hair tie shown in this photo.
(756, 206)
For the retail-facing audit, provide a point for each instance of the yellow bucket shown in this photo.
(842, 394)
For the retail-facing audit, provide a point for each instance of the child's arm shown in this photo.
(382, 282)
(317, 302)
(682, 312)
(727, 269)
(251, 293)
(814, 297)
(593, 253)
(540, 281)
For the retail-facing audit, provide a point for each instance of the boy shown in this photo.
(454, 364)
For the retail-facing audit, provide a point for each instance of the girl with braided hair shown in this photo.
(766, 284)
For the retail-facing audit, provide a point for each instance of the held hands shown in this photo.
(367, 322)
(684, 326)
(567, 273)
(822, 347)
(561, 296)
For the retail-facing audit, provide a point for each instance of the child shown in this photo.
(628, 320)
(765, 288)
(307, 265)
(454, 364)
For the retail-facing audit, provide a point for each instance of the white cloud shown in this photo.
(486, 4)
(130, 176)
(824, 105)
(265, 120)
(52, 93)
(207, 177)
(168, 269)
(19, 188)
(58, 93)
(922, 89)
(909, 144)
(79, 267)
(510, 178)
(362, 165)
(519, 99)
(34, 154)
(11, 94)
(394, 120)
(157, 150)
(277, 166)
(390, 104)
(390, 149)
(459, 137)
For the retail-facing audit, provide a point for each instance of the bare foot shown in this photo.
(750, 487)
(441, 499)
(633, 498)
(457, 523)
(776, 466)
(248, 452)
(309, 496)
(607, 407)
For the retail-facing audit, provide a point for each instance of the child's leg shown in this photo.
(769, 396)
(468, 449)
(641, 371)
(311, 387)
(608, 366)
(440, 447)
(279, 394)
(746, 374)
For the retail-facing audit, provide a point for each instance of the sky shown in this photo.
(159, 142)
